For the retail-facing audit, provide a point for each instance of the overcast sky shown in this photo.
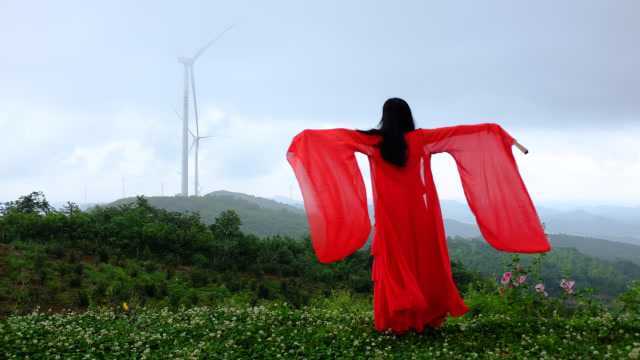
(88, 91)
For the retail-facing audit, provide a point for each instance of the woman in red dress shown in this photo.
(413, 284)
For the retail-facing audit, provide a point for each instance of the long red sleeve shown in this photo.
(492, 185)
(333, 191)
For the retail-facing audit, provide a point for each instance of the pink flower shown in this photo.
(567, 285)
(540, 288)
(522, 278)
(506, 277)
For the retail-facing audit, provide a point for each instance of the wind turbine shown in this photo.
(196, 137)
(189, 79)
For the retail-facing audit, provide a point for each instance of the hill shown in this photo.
(111, 254)
(583, 223)
(260, 216)
(616, 223)
(599, 248)
(264, 217)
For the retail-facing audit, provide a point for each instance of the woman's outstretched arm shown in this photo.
(333, 190)
(492, 184)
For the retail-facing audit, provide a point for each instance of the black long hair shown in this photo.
(395, 122)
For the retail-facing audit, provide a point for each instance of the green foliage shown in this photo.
(607, 278)
(137, 230)
(137, 253)
(34, 203)
(227, 225)
(630, 299)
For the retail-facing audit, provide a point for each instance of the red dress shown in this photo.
(413, 284)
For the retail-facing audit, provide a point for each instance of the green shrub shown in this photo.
(103, 255)
(199, 277)
(200, 260)
(175, 299)
(83, 299)
(56, 250)
(75, 281)
(263, 292)
(630, 299)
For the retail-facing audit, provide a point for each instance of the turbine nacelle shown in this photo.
(195, 139)
(186, 61)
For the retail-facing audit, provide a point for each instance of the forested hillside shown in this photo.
(259, 216)
(262, 217)
(72, 257)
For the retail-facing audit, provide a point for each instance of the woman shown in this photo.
(413, 284)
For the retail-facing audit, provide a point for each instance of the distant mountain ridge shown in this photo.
(615, 223)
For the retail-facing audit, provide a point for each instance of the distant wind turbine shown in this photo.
(189, 79)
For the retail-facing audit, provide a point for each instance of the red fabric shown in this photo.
(413, 284)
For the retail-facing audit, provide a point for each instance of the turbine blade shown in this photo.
(208, 45)
(195, 140)
(195, 101)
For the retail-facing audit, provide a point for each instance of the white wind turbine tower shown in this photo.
(189, 79)
(196, 137)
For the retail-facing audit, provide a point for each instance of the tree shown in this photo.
(70, 208)
(227, 225)
(34, 203)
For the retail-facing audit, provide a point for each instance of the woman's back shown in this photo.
(413, 284)
(394, 184)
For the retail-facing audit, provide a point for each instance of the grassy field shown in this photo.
(340, 326)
